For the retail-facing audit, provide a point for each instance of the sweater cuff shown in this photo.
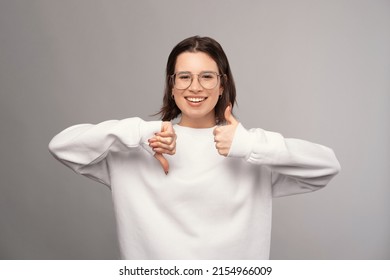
(242, 143)
(148, 129)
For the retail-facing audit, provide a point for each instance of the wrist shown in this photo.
(242, 143)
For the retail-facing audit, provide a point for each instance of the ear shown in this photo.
(221, 88)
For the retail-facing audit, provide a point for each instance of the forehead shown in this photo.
(195, 62)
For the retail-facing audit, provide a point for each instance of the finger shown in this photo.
(222, 152)
(229, 116)
(164, 151)
(161, 145)
(165, 143)
(158, 144)
(217, 138)
(163, 161)
(166, 137)
(163, 140)
(166, 134)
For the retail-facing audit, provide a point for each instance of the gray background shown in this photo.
(316, 70)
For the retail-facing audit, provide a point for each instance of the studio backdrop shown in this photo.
(315, 70)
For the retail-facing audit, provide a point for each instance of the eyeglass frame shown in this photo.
(192, 78)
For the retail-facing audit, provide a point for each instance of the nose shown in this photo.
(195, 85)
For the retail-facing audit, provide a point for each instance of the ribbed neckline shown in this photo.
(194, 131)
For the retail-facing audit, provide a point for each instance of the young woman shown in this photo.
(202, 188)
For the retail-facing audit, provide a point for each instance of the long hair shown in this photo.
(169, 109)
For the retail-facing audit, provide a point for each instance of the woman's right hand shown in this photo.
(164, 142)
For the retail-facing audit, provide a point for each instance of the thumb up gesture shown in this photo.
(223, 135)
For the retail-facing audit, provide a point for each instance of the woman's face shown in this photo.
(195, 102)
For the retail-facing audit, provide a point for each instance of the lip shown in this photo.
(195, 100)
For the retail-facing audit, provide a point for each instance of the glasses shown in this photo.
(207, 79)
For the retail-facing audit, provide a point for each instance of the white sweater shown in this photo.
(208, 206)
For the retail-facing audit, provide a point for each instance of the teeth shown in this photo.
(195, 99)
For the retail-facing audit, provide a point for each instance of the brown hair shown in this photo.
(169, 109)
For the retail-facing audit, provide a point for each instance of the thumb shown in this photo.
(167, 126)
(163, 161)
(229, 116)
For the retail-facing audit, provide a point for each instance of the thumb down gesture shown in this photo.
(223, 135)
(164, 142)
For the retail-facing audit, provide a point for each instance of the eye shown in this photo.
(207, 76)
(183, 76)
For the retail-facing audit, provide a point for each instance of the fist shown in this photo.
(223, 135)
(164, 142)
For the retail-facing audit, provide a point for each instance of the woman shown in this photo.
(216, 200)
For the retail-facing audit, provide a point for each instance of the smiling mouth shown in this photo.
(196, 99)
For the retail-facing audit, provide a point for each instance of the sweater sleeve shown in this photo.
(84, 147)
(297, 166)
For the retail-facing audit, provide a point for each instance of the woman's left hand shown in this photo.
(223, 135)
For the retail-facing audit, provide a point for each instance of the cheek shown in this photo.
(175, 94)
(214, 98)
(177, 91)
(215, 93)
